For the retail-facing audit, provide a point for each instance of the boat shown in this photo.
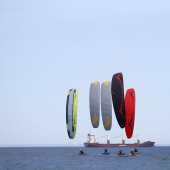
(91, 142)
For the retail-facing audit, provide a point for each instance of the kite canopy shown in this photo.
(94, 102)
(106, 105)
(130, 100)
(71, 112)
(117, 90)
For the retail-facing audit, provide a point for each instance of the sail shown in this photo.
(75, 105)
(71, 112)
(130, 111)
(94, 102)
(106, 105)
(117, 90)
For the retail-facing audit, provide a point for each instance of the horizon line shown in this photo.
(56, 145)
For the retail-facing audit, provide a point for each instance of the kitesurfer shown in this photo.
(135, 150)
(81, 152)
(132, 152)
(120, 152)
(105, 150)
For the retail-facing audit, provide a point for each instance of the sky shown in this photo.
(49, 47)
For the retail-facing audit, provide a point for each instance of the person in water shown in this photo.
(135, 150)
(81, 152)
(120, 152)
(132, 152)
(105, 150)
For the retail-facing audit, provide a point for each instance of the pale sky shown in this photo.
(49, 47)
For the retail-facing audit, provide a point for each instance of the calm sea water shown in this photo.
(44, 158)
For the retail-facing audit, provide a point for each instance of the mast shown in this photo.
(123, 140)
(91, 138)
(108, 140)
(138, 141)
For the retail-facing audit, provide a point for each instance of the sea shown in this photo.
(61, 158)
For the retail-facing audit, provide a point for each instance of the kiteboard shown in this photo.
(82, 153)
(129, 154)
(122, 155)
(106, 153)
(137, 152)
